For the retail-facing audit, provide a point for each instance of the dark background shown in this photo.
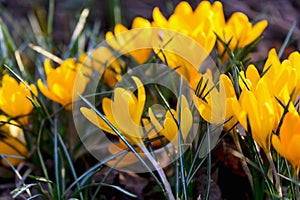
(279, 13)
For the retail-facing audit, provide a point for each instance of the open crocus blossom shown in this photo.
(258, 107)
(279, 78)
(130, 43)
(199, 24)
(240, 32)
(287, 143)
(216, 107)
(12, 141)
(128, 121)
(172, 121)
(195, 29)
(60, 81)
(14, 98)
(283, 75)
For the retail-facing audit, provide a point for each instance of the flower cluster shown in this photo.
(257, 107)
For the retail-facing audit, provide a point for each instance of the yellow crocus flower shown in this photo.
(249, 79)
(130, 44)
(279, 75)
(216, 108)
(193, 28)
(258, 106)
(283, 80)
(12, 141)
(131, 125)
(199, 24)
(60, 81)
(128, 122)
(13, 98)
(287, 143)
(170, 126)
(240, 31)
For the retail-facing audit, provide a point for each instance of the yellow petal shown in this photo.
(293, 153)
(141, 99)
(46, 91)
(47, 66)
(253, 75)
(171, 130)
(239, 113)
(185, 117)
(158, 18)
(256, 31)
(287, 128)
(154, 121)
(12, 146)
(203, 108)
(140, 22)
(278, 145)
(96, 120)
(227, 84)
(64, 96)
(183, 8)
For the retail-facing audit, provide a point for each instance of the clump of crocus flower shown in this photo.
(15, 98)
(60, 81)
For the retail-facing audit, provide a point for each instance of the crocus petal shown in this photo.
(47, 66)
(293, 152)
(183, 8)
(140, 22)
(141, 99)
(46, 91)
(278, 145)
(157, 125)
(96, 120)
(287, 129)
(256, 31)
(253, 75)
(185, 117)
(171, 130)
(158, 18)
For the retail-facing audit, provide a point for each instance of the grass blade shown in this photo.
(78, 30)
(287, 39)
(56, 162)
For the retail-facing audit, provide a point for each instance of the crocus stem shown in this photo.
(159, 170)
(296, 177)
(272, 165)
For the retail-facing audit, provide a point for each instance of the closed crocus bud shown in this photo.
(60, 81)
(14, 98)
(12, 141)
